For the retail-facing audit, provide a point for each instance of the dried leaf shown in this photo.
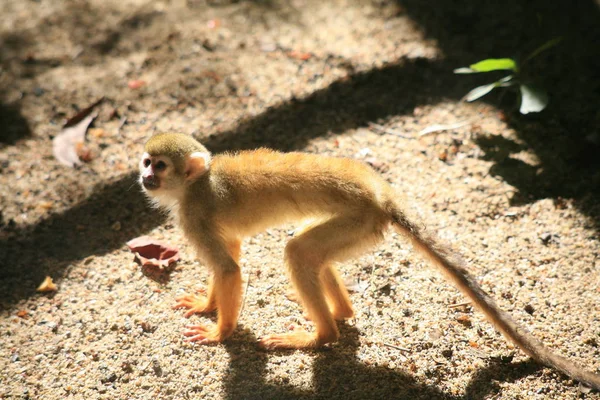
(150, 252)
(68, 146)
(136, 84)
(213, 23)
(47, 286)
(299, 55)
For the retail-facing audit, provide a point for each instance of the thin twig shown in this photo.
(466, 303)
(440, 128)
(122, 122)
(382, 129)
(397, 348)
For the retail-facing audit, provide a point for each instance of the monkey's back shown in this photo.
(274, 188)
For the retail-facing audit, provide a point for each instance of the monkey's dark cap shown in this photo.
(173, 145)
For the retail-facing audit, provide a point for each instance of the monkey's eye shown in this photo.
(147, 162)
(160, 166)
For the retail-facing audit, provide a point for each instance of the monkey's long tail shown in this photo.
(453, 267)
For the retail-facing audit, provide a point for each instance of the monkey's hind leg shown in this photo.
(336, 294)
(309, 257)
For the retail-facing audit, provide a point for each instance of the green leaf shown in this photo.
(479, 91)
(532, 99)
(464, 70)
(494, 64)
(506, 81)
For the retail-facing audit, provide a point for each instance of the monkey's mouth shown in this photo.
(150, 183)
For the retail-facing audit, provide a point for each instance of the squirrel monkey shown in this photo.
(220, 200)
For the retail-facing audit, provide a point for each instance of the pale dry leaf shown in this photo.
(47, 286)
(66, 145)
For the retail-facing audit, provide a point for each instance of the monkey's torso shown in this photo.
(255, 190)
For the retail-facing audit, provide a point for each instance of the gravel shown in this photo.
(517, 196)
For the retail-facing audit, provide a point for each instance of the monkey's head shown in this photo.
(170, 162)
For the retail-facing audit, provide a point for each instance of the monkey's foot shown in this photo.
(204, 334)
(195, 304)
(342, 313)
(294, 340)
(291, 295)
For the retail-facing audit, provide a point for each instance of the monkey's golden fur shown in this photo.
(218, 202)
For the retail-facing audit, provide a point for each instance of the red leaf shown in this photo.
(153, 253)
(214, 23)
(299, 55)
(136, 84)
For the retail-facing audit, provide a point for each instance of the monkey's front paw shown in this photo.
(203, 334)
(195, 304)
(295, 340)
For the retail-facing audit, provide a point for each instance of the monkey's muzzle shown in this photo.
(150, 182)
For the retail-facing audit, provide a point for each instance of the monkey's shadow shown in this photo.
(338, 374)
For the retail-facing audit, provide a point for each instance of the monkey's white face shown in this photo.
(160, 180)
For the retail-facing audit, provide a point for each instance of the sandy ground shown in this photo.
(517, 196)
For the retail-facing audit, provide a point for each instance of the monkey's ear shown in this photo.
(196, 165)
